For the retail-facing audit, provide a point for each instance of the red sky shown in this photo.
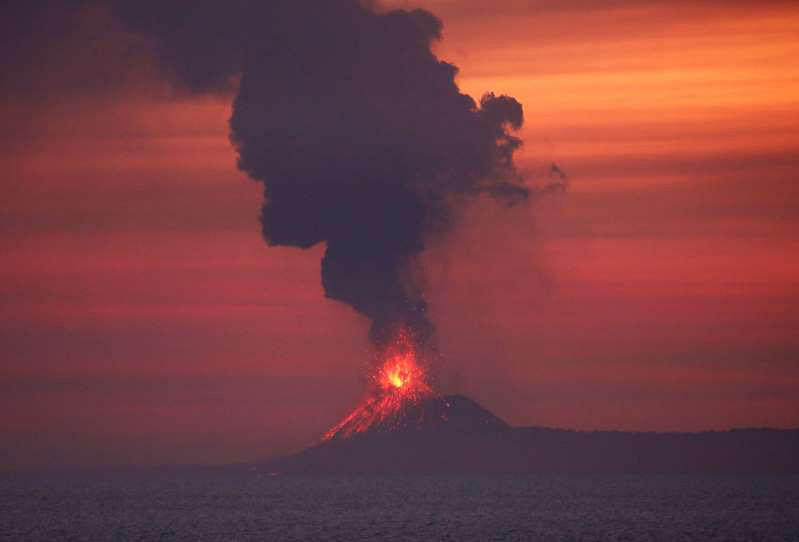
(144, 320)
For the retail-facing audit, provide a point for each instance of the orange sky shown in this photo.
(144, 320)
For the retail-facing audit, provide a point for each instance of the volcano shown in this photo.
(454, 435)
(402, 426)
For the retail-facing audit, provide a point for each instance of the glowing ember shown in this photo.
(400, 372)
(398, 380)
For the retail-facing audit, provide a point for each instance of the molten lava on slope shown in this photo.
(400, 381)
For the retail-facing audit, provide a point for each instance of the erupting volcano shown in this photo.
(364, 143)
(399, 381)
(401, 401)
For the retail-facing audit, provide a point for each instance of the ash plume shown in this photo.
(357, 131)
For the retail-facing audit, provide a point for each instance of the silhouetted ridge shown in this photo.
(454, 435)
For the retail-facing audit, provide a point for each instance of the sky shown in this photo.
(144, 320)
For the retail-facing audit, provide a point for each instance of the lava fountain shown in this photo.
(399, 379)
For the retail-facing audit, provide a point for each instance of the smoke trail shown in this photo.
(357, 131)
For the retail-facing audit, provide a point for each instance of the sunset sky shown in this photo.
(144, 320)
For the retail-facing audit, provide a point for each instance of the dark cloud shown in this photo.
(56, 52)
(358, 132)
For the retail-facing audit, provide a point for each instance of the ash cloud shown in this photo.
(357, 131)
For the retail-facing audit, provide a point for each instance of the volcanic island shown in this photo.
(403, 426)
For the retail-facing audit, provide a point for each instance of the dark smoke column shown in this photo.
(358, 132)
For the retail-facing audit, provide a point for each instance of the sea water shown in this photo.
(220, 507)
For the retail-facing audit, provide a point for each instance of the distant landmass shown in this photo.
(454, 435)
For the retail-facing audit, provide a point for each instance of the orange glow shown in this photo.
(400, 379)
(400, 372)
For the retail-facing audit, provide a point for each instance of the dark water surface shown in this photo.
(238, 507)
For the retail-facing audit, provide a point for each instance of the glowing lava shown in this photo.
(401, 374)
(400, 379)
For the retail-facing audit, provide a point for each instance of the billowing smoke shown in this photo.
(357, 131)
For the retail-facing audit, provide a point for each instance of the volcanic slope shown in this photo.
(436, 434)
(432, 414)
(452, 434)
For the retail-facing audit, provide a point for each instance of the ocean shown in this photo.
(232, 507)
